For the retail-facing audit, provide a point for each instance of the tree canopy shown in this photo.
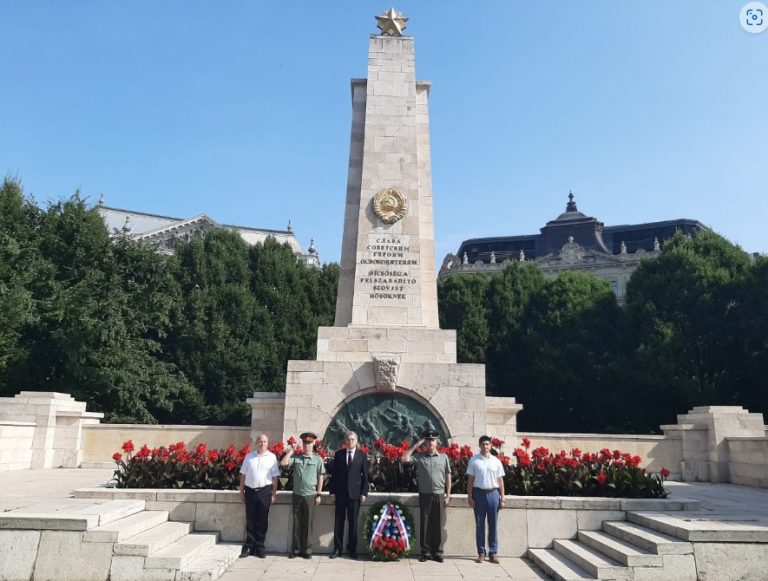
(187, 338)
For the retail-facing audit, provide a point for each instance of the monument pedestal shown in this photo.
(316, 391)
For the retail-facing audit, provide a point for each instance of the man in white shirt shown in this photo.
(485, 493)
(258, 489)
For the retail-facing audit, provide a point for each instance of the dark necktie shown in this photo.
(349, 457)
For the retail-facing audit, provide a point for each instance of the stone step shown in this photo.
(593, 562)
(557, 566)
(48, 521)
(113, 510)
(154, 539)
(660, 523)
(619, 550)
(127, 527)
(648, 539)
(211, 564)
(180, 553)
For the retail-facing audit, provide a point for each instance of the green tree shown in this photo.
(686, 310)
(461, 302)
(89, 337)
(752, 390)
(20, 268)
(510, 346)
(221, 336)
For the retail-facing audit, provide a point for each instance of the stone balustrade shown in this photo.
(57, 422)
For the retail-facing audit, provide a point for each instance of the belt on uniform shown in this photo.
(259, 488)
(486, 490)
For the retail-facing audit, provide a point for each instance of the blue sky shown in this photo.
(647, 110)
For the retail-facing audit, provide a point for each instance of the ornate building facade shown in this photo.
(163, 233)
(572, 241)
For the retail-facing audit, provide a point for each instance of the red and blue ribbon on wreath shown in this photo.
(390, 525)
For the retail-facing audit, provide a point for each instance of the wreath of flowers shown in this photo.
(389, 531)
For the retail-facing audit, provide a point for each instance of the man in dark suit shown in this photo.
(349, 487)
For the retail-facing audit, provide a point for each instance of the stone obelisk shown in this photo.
(388, 252)
(385, 369)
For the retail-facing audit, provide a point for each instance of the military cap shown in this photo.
(430, 435)
(308, 437)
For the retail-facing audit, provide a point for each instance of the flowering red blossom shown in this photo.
(291, 441)
(533, 471)
(144, 452)
(496, 442)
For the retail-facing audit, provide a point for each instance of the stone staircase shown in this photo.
(122, 541)
(638, 549)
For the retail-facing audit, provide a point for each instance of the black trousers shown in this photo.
(257, 501)
(347, 510)
(431, 513)
(303, 517)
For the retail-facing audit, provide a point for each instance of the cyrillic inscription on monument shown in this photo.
(388, 267)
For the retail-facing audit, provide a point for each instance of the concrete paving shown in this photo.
(321, 568)
(47, 489)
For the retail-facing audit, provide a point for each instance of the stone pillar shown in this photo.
(501, 417)
(267, 414)
(59, 421)
(702, 433)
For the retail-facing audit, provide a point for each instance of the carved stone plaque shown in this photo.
(385, 368)
(393, 416)
(389, 205)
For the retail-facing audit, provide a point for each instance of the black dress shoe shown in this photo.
(291, 555)
(423, 559)
(306, 556)
(245, 552)
(334, 555)
(437, 558)
(353, 555)
(261, 555)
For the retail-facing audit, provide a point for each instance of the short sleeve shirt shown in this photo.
(306, 472)
(432, 471)
(260, 470)
(486, 471)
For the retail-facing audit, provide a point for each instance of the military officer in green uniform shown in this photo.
(308, 473)
(433, 470)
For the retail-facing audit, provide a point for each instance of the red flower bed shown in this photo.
(528, 471)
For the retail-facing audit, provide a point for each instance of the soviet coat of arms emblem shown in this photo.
(389, 205)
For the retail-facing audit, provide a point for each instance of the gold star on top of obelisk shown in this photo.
(391, 22)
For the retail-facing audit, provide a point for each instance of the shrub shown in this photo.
(537, 472)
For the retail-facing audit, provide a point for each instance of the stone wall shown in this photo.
(749, 461)
(102, 440)
(16, 445)
(57, 422)
(525, 522)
